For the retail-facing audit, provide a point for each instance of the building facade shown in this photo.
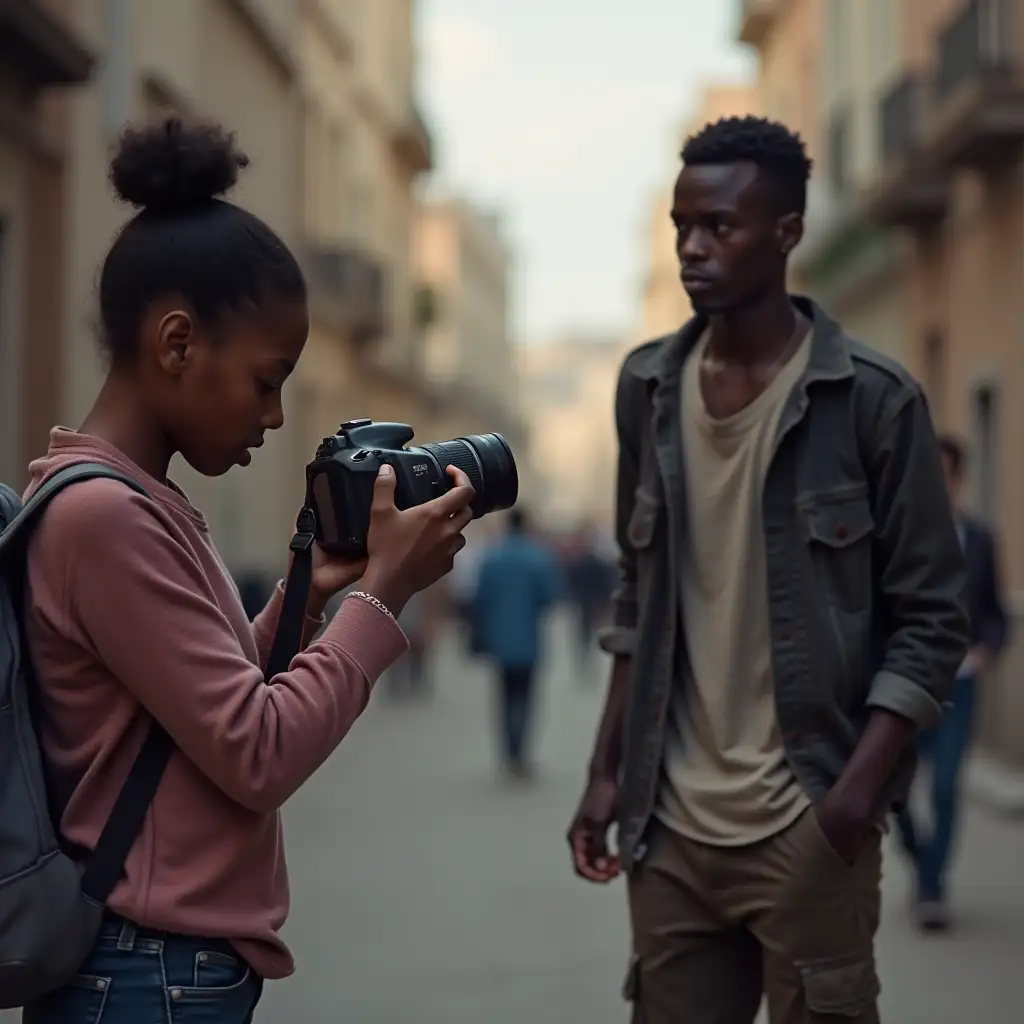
(320, 95)
(44, 60)
(568, 395)
(232, 61)
(365, 148)
(916, 236)
(464, 268)
(665, 305)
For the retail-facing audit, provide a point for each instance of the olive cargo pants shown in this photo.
(714, 928)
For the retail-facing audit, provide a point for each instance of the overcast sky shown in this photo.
(561, 114)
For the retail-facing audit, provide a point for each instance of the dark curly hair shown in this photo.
(778, 153)
(186, 240)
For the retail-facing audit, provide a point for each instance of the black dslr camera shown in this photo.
(339, 481)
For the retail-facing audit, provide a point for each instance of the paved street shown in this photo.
(426, 890)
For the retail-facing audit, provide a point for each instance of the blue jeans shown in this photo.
(137, 976)
(944, 748)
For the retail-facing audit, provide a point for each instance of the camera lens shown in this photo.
(488, 462)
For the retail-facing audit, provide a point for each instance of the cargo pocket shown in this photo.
(840, 987)
(631, 990)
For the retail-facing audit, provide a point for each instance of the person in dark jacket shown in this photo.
(944, 747)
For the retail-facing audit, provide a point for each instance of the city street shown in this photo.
(427, 890)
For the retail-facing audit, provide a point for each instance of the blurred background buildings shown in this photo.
(913, 111)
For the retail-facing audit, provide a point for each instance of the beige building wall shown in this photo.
(46, 61)
(665, 306)
(569, 392)
(464, 266)
(364, 149)
(215, 58)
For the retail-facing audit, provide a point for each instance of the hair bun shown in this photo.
(170, 167)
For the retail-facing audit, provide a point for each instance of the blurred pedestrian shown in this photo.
(462, 585)
(421, 622)
(788, 618)
(943, 748)
(517, 583)
(589, 583)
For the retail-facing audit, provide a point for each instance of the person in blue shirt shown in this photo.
(518, 582)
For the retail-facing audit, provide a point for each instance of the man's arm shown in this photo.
(619, 638)
(920, 574)
(588, 833)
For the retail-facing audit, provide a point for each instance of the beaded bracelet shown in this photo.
(375, 601)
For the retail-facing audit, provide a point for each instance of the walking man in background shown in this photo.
(945, 746)
(589, 582)
(518, 582)
(788, 618)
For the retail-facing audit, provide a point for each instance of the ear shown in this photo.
(789, 229)
(174, 336)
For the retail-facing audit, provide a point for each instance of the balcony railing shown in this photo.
(977, 118)
(909, 191)
(350, 288)
(977, 42)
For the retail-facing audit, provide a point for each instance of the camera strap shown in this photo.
(292, 621)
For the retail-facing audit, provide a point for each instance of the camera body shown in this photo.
(340, 479)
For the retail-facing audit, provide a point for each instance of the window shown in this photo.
(986, 449)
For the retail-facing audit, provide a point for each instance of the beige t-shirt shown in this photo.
(726, 778)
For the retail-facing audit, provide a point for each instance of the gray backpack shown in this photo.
(51, 901)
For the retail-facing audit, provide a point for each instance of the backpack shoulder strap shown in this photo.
(16, 534)
(105, 865)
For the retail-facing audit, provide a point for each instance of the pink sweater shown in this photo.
(133, 614)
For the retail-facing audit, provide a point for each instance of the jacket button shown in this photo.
(842, 532)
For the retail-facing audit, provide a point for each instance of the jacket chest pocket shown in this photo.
(839, 529)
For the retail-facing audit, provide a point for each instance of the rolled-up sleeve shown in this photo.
(620, 636)
(921, 570)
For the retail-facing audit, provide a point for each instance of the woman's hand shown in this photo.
(330, 575)
(412, 548)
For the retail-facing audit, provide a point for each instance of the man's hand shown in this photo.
(588, 834)
(846, 822)
(979, 660)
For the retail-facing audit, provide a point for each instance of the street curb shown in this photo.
(997, 788)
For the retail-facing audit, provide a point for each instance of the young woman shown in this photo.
(133, 616)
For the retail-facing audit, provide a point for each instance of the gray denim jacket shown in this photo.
(865, 571)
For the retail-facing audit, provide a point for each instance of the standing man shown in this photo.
(788, 619)
(518, 582)
(944, 747)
